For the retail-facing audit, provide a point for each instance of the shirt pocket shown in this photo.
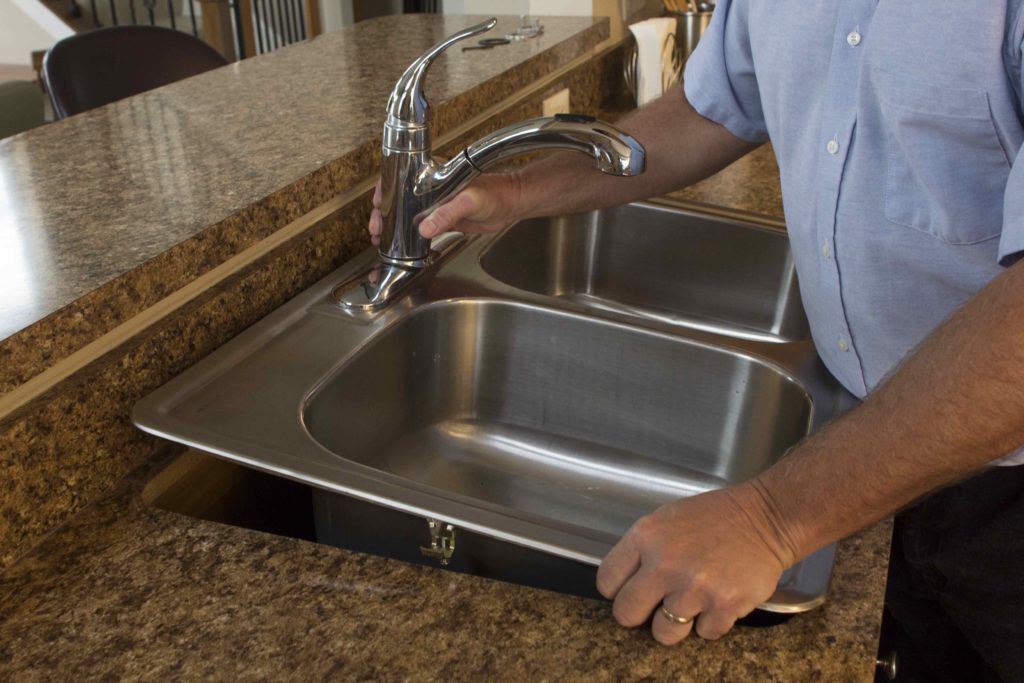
(947, 170)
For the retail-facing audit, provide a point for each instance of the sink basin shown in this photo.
(654, 261)
(555, 417)
(545, 424)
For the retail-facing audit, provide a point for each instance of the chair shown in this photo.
(97, 67)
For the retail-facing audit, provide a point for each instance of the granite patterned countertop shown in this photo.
(128, 591)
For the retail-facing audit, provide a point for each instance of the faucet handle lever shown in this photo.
(407, 103)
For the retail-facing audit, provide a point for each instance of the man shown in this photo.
(896, 125)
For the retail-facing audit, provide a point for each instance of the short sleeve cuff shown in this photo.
(717, 110)
(1011, 244)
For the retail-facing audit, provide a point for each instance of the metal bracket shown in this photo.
(442, 541)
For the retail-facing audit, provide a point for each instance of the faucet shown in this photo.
(413, 182)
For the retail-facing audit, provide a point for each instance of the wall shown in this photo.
(618, 11)
(563, 8)
(26, 25)
(334, 14)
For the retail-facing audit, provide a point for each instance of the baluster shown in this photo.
(281, 35)
(192, 16)
(150, 5)
(300, 32)
(260, 26)
(170, 11)
(131, 10)
(288, 23)
(113, 13)
(271, 23)
(95, 15)
(238, 28)
(303, 32)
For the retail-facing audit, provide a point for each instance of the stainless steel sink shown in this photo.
(681, 267)
(534, 419)
(553, 416)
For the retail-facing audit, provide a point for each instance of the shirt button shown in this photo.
(853, 38)
(843, 346)
(826, 251)
(832, 146)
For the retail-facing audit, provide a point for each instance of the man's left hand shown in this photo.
(711, 558)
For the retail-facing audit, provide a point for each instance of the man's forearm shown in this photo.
(682, 148)
(952, 407)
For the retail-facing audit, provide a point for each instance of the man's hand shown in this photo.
(488, 204)
(717, 555)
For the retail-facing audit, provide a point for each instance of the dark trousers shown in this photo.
(956, 581)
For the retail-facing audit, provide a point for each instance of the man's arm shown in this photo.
(952, 407)
(682, 148)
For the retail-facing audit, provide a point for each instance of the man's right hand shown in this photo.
(491, 202)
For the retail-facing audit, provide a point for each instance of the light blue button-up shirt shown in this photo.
(896, 124)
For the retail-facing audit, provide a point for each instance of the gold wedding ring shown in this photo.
(673, 618)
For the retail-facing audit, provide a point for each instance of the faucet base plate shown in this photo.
(384, 280)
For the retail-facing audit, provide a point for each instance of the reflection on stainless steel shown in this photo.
(518, 415)
(412, 182)
(652, 262)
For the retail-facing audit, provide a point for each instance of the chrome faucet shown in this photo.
(413, 183)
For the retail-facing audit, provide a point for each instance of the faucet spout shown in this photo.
(615, 152)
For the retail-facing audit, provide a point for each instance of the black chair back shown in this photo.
(97, 67)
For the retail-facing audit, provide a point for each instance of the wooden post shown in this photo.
(37, 63)
(248, 28)
(217, 29)
(312, 18)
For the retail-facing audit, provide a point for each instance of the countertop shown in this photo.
(125, 590)
(128, 591)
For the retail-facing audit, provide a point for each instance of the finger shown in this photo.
(618, 565)
(376, 195)
(466, 204)
(375, 223)
(715, 624)
(680, 604)
(634, 603)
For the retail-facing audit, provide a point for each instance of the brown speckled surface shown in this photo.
(130, 591)
(751, 183)
(107, 212)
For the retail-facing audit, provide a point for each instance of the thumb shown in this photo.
(466, 204)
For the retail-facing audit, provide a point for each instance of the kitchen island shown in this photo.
(98, 583)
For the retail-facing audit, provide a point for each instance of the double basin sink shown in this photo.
(543, 388)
